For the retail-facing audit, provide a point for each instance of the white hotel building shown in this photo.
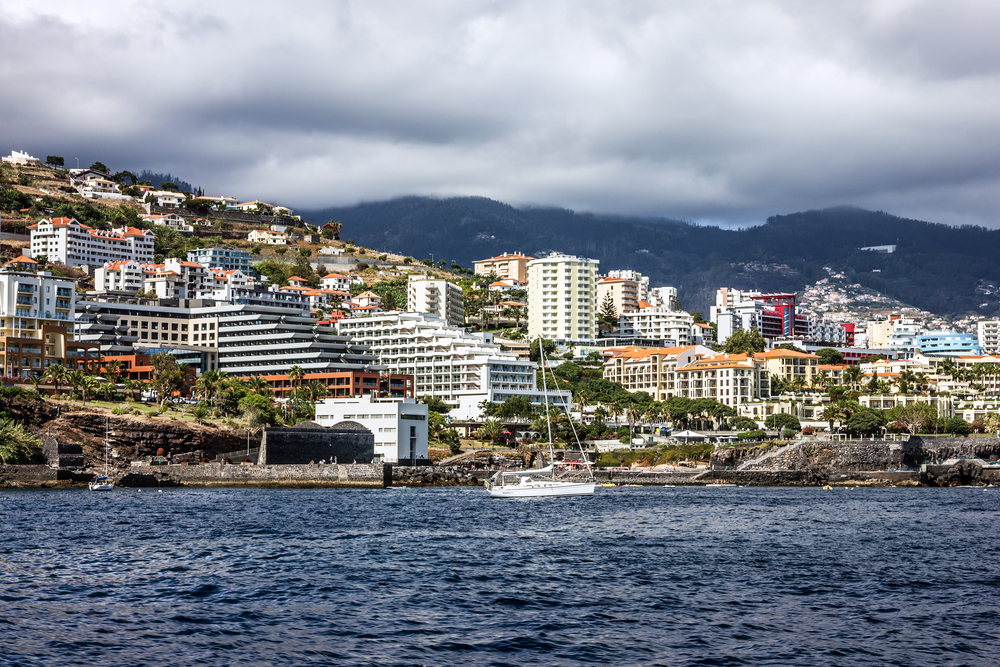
(562, 298)
(458, 367)
(398, 424)
(658, 323)
(69, 242)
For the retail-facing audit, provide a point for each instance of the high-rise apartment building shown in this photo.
(562, 298)
(439, 298)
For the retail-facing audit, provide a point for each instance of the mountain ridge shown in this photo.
(945, 270)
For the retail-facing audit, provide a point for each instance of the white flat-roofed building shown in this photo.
(988, 335)
(267, 237)
(562, 298)
(658, 323)
(665, 296)
(68, 241)
(399, 424)
(460, 368)
(439, 298)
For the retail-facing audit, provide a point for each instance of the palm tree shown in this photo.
(295, 375)
(616, 411)
(853, 375)
(107, 389)
(210, 384)
(259, 385)
(316, 390)
(133, 387)
(492, 429)
(56, 374)
(77, 380)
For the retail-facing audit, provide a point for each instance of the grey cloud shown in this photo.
(714, 111)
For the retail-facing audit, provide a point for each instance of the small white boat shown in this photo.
(535, 484)
(715, 484)
(100, 484)
(103, 483)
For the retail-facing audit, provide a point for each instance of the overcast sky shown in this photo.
(704, 110)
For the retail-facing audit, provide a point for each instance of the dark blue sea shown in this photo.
(633, 576)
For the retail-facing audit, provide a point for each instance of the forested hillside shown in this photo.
(946, 270)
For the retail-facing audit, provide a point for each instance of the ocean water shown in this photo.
(633, 576)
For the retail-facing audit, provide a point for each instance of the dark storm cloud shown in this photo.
(720, 111)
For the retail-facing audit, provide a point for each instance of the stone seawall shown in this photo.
(369, 476)
(432, 476)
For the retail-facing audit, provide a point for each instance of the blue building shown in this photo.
(947, 344)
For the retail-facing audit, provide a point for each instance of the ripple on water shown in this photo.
(448, 576)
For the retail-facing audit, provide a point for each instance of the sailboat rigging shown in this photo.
(103, 483)
(542, 482)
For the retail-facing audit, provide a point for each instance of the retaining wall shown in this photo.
(368, 476)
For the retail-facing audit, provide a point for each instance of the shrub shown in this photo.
(783, 421)
(808, 430)
(624, 434)
(383, 257)
(121, 410)
(752, 435)
(17, 444)
(957, 425)
(743, 424)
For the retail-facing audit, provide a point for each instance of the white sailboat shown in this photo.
(542, 482)
(103, 483)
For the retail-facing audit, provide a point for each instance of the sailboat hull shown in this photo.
(542, 489)
(106, 486)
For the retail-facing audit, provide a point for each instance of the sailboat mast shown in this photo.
(545, 396)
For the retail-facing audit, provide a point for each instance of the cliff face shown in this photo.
(136, 437)
(827, 456)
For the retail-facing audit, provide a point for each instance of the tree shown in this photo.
(168, 375)
(295, 375)
(259, 385)
(549, 348)
(746, 341)
(914, 418)
(305, 252)
(697, 317)
(125, 175)
(57, 375)
(957, 426)
(743, 424)
(865, 422)
(789, 346)
(782, 421)
(435, 404)
(171, 187)
(607, 312)
(829, 356)
(853, 375)
(491, 430)
(55, 161)
(256, 410)
(100, 166)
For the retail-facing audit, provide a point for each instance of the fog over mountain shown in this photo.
(718, 111)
